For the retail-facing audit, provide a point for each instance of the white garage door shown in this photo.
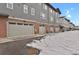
(19, 29)
(30, 29)
(42, 30)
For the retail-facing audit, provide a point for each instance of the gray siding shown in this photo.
(51, 15)
(18, 12)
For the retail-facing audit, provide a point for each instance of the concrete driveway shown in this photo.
(17, 46)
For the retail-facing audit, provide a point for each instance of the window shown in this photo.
(25, 24)
(10, 5)
(30, 24)
(50, 10)
(57, 20)
(12, 23)
(32, 11)
(45, 6)
(19, 23)
(51, 18)
(43, 16)
(25, 9)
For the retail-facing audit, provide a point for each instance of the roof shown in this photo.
(57, 10)
(62, 17)
(67, 19)
(72, 23)
(50, 6)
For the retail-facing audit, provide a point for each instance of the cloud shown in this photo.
(69, 15)
(67, 12)
(72, 8)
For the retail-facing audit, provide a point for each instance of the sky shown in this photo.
(70, 10)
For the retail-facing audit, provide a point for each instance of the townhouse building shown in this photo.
(65, 24)
(17, 19)
(57, 20)
(53, 18)
(76, 28)
(72, 26)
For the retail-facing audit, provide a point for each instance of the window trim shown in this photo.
(43, 15)
(45, 6)
(25, 9)
(11, 5)
(50, 10)
(51, 18)
(33, 11)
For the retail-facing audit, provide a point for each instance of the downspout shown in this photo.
(48, 19)
(54, 22)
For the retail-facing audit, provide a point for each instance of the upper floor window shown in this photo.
(51, 18)
(43, 16)
(32, 11)
(10, 5)
(57, 15)
(50, 10)
(45, 6)
(25, 7)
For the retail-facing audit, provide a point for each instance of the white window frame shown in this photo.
(51, 18)
(32, 11)
(50, 10)
(57, 20)
(43, 16)
(45, 6)
(25, 9)
(10, 7)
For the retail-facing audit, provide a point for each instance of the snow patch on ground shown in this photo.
(65, 43)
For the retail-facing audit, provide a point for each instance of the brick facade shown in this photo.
(36, 28)
(3, 29)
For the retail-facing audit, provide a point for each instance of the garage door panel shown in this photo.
(31, 29)
(19, 29)
(42, 30)
(12, 30)
(25, 31)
